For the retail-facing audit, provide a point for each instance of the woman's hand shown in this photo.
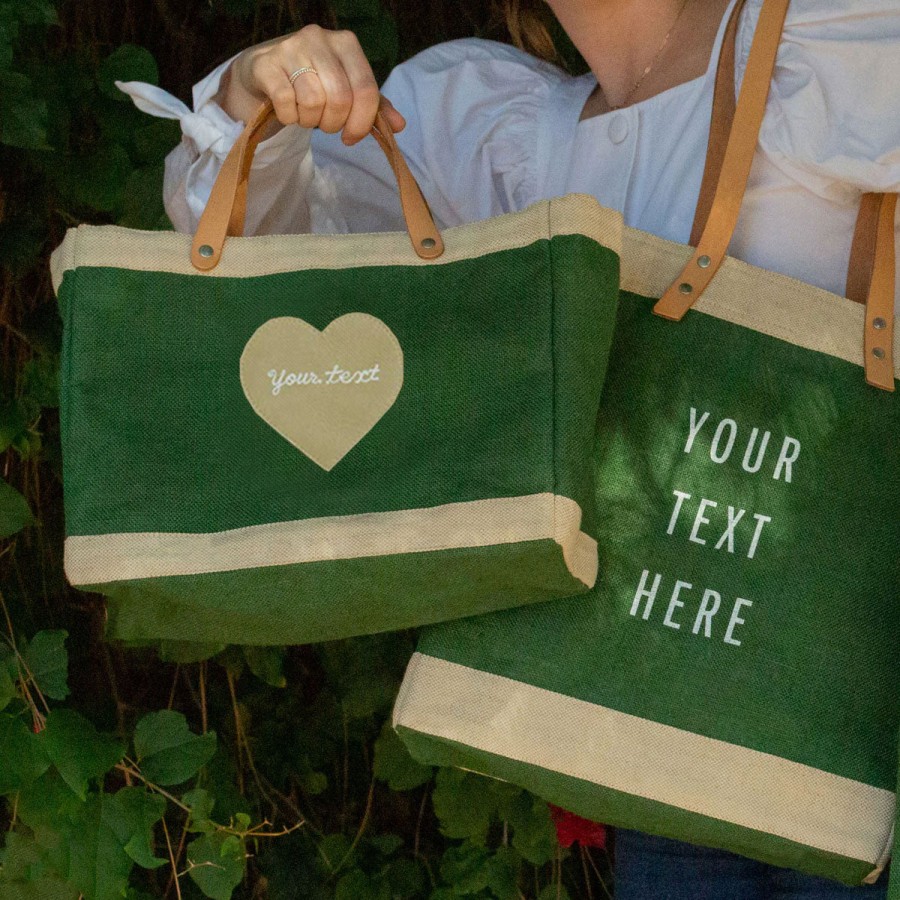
(341, 95)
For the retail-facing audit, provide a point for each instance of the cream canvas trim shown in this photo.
(167, 251)
(767, 302)
(755, 298)
(625, 753)
(104, 558)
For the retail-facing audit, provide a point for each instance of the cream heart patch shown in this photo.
(323, 391)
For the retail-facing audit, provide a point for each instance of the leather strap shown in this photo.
(859, 274)
(226, 210)
(873, 237)
(739, 152)
(723, 109)
(862, 251)
(879, 333)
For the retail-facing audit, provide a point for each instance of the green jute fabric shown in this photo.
(747, 497)
(504, 359)
(248, 602)
(894, 885)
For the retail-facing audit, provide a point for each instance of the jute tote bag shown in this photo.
(732, 680)
(297, 438)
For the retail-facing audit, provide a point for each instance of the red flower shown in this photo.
(571, 829)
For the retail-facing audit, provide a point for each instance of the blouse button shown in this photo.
(618, 128)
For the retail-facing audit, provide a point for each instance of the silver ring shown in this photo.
(306, 69)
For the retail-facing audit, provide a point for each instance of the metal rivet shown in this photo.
(686, 288)
(206, 251)
(429, 243)
(879, 323)
(878, 353)
(704, 262)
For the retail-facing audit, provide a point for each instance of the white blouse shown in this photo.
(492, 129)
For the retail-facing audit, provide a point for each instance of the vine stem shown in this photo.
(130, 768)
(425, 794)
(27, 675)
(558, 873)
(600, 878)
(363, 825)
(172, 858)
(173, 878)
(204, 721)
(587, 874)
(238, 733)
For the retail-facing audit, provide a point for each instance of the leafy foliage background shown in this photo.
(176, 771)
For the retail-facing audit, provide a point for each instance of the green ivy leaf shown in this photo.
(154, 140)
(23, 114)
(358, 885)
(168, 751)
(47, 803)
(314, 783)
(35, 12)
(79, 752)
(142, 200)
(405, 877)
(48, 662)
(15, 512)
(470, 869)
(128, 63)
(47, 887)
(7, 36)
(464, 804)
(8, 691)
(553, 892)
(534, 834)
(23, 759)
(365, 672)
(386, 844)
(334, 849)
(267, 664)
(17, 857)
(39, 384)
(201, 804)
(21, 241)
(12, 426)
(394, 765)
(98, 864)
(216, 864)
(97, 179)
(132, 814)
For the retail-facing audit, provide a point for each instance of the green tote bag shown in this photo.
(732, 680)
(285, 439)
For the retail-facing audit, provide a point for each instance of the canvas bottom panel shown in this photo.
(636, 773)
(320, 601)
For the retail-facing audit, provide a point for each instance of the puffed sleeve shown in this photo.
(832, 122)
(470, 107)
(473, 107)
(282, 168)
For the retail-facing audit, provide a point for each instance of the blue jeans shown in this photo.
(654, 868)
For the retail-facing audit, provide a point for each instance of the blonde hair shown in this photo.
(527, 22)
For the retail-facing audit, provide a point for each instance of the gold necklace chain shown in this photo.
(653, 61)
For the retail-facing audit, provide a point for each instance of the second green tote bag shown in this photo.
(733, 680)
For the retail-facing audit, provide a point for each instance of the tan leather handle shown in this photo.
(880, 301)
(739, 152)
(871, 274)
(723, 110)
(226, 210)
(859, 275)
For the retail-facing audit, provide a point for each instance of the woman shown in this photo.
(493, 129)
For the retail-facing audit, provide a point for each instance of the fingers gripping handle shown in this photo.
(226, 210)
